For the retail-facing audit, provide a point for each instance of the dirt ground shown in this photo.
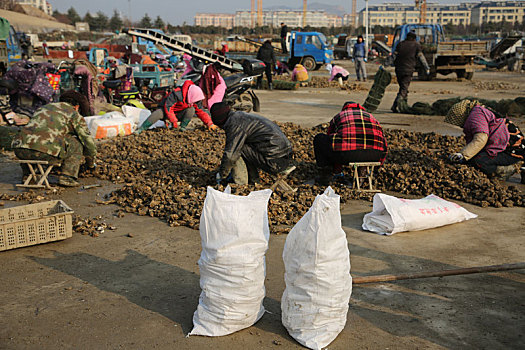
(140, 292)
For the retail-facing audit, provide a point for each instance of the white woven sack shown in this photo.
(317, 275)
(234, 232)
(391, 215)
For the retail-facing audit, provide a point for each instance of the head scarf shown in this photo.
(329, 67)
(459, 112)
(209, 81)
(195, 94)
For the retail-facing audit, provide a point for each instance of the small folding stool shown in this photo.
(39, 171)
(369, 175)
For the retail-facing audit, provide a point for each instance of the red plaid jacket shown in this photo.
(354, 128)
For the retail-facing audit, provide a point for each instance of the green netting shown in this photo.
(4, 28)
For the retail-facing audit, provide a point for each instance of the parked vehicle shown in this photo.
(443, 57)
(308, 48)
(239, 93)
(343, 47)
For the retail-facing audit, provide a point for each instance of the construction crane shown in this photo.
(422, 6)
(304, 13)
(259, 13)
(354, 13)
(252, 13)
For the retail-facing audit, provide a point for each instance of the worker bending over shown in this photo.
(353, 135)
(57, 133)
(179, 107)
(494, 143)
(337, 72)
(252, 143)
(406, 55)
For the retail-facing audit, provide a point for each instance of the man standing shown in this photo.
(57, 133)
(405, 58)
(360, 57)
(284, 31)
(267, 55)
(252, 143)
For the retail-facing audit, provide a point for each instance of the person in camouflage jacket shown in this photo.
(58, 134)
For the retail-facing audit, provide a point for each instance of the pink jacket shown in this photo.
(218, 93)
(338, 69)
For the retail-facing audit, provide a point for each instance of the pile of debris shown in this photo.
(165, 174)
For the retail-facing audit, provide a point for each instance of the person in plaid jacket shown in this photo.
(353, 135)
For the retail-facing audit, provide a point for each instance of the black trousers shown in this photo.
(339, 75)
(268, 72)
(488, 164)
(403, 80)
(326, 156)
(283, 45)
(257, 160)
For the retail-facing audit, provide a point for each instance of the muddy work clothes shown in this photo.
(183, 117)
(58, 131)
(488, 164)
(360, 68)
(406, 55)
(259, 141)
(70, 160)
(325, 155)
(403, 80)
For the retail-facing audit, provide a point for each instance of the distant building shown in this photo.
(244, 18)
(498, 11)
(224, 20)
(82, 26)
(39, 4)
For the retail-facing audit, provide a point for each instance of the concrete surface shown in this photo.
(140, 292)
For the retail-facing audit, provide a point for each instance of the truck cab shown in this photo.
(443, 57)
(310, 49)
(428, 35)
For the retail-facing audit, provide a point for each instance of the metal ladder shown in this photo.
(176, 45)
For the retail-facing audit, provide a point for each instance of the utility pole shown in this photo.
(366, 25)
(252, 13)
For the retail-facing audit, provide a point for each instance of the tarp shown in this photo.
(4, 28)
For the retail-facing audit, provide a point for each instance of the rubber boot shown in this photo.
(340, 81)
(67, 181)
(145, 126)
(394, 106)
(270, 86)
(504, 172)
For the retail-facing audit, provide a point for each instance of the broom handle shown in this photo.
(453, 272)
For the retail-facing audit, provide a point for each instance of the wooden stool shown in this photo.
(369, 175)
(281, 184)
(38, 176)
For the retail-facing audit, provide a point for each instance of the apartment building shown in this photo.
(244, 18)
(394, 14)
(39, 4)
(224, 20)
(498, 11)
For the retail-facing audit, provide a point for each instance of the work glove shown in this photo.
(352, 60)
(218, 178)
(213, 127)
(366, 59)
(456, 158)
(91, 162)
(427, 71)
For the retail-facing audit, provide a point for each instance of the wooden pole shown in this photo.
(428, 274)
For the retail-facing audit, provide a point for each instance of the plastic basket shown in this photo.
(33, 224)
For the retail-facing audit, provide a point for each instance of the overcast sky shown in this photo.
(179, 11)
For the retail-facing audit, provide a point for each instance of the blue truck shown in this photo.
(443, 57)
(308, 48)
